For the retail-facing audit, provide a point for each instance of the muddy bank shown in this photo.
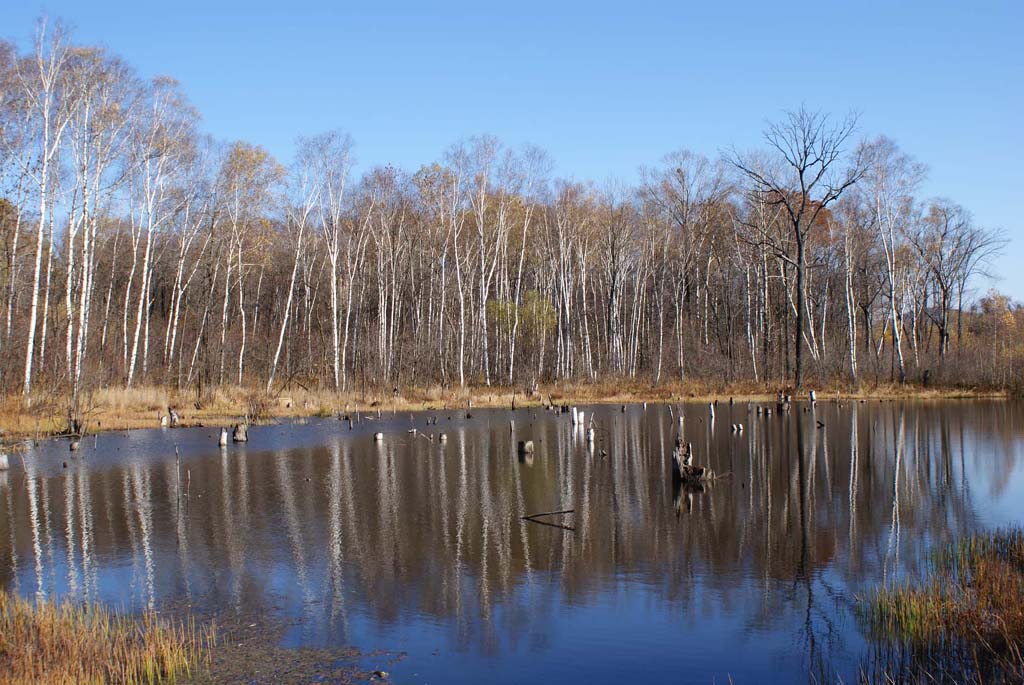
(248, 651)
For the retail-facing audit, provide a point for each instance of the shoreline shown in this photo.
(139, 408)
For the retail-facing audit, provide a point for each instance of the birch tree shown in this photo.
(891, 178)
(49, 101)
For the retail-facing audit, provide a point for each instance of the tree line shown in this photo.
(137, 250)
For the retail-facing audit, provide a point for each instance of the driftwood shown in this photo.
(535, 518)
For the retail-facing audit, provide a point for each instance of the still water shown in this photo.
(412, 545)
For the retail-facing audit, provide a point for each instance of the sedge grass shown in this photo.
(66, 643)
(964, 619)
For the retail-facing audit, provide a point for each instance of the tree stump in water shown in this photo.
(692, 474)
(241, 433)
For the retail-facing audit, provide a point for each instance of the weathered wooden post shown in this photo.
(223, 441)
(378, 437)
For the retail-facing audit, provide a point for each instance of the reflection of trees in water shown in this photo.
(809, 515)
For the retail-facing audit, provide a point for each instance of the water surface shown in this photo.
(413, 545)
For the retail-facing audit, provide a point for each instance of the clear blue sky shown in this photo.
(605, 88)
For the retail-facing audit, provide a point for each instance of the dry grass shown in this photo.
(141, 407)
(965, 620)
(69, 643)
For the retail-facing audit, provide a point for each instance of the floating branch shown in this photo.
(535, 518)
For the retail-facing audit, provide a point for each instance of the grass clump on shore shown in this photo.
(46, 642)
(964, 622)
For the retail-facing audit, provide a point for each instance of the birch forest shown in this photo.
(138, 251)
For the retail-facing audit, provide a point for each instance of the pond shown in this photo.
(410, 544)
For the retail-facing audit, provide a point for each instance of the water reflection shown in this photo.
(415, 544)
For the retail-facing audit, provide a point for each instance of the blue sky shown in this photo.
(605, 88)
